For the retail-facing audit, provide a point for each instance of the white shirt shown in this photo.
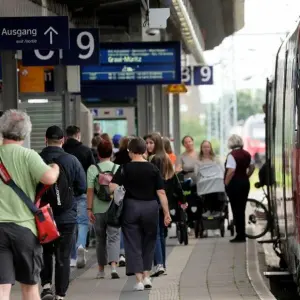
(231, 163)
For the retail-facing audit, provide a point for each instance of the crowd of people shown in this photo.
(146, 168)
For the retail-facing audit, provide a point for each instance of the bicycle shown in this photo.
(259, 216)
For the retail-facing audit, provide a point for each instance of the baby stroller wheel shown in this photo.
(222, 229)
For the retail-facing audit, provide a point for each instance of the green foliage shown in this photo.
(249, 103)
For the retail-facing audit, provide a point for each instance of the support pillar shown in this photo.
(145, 110)
(165, 111)
(10, 89)
(176, 123)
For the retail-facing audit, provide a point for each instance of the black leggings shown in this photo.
(238, 191)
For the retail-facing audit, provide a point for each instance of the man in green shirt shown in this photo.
(20, 251)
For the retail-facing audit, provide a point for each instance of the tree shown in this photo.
(193, 128)
(249, 103)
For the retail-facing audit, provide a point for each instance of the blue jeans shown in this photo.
(122, 250)
(160, 247)
(82, 225)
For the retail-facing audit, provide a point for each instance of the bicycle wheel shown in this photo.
(257, 219)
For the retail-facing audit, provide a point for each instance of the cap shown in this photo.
(116, 138)
(54, 133)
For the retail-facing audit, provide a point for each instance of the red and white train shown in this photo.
(283, 151)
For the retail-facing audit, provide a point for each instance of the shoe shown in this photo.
(206, 214)
(81, 260)
(59, 298)
(158, 270)
(238, 240)
(114, 274)
(122, 261)
(147, 283)
(139, 286)
(47, 294)
(100, 275)
(73, 263)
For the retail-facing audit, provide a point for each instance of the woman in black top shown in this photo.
(143, 184)
(122, 156)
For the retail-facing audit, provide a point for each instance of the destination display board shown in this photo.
(136, 63)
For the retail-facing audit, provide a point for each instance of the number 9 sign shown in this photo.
(203, 75)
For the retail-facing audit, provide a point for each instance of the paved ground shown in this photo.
(208, 269)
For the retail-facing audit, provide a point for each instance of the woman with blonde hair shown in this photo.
(210, 179)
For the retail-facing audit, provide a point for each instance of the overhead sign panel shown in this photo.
(84, 50)
(25, 33)
(136, 63)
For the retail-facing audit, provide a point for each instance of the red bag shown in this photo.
(46, 226)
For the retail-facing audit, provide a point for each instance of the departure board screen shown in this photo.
(136, 63)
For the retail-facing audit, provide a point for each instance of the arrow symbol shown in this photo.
(51, 31)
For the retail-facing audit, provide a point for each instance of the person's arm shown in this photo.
(40, 171)
(91, 176)
(251, 169)
(161, 193)
(80, 179)
(117, 180)
(230, 166)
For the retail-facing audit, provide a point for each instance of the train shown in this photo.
(253, 133)
(283, 153)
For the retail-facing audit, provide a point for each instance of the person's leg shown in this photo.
(7, 274)
(113, 249)
(5, 291)
(47, 271)
(149, 219)
(100, 230)
(162, 228)
(63, 248)
(28, 261)
(30, 292)
(83, 228)
(74, 249)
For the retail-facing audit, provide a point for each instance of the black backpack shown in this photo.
(60, 194)
(103, 180)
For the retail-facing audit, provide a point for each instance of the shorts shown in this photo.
(20, 255)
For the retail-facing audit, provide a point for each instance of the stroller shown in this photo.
(211, 193)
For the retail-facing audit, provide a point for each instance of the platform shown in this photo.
(207, 269)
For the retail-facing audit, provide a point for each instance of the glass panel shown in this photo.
(113, 126)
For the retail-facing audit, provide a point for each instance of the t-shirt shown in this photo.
(141, 180)
(99, 206)
(26, 168)
(188, 164)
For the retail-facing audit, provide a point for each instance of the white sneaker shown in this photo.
(100, 275)
(158, 270)
(147, 283)
(73, 263)
(122, 261)
(81, 260)
(139, 286)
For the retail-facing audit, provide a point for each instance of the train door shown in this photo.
(115, 120)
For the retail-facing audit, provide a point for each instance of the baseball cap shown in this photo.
(116, 138)
(54, 133)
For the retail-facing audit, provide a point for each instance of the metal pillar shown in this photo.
(165, 113)
(145, 114)
(158, 114)
(10, 89)
(176, 123)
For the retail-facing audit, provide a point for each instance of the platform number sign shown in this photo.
(186, 75)
(203, 75)
(198, 75)
(84, 50)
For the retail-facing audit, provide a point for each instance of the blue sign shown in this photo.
(84, 50)
(203, 75)
(26, 33)
(40, 58)
(136, 63)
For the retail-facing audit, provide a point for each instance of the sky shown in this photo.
(267, 23)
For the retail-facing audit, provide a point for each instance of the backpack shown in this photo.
(60, 194)
(104, 179)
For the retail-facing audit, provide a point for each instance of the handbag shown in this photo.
(115, 209)
(46, 226)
